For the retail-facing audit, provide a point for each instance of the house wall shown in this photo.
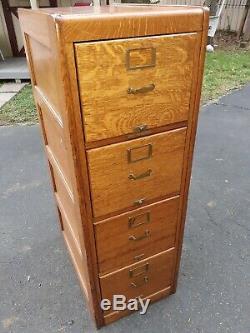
(230, 19)
(4, 40)
(231, 15)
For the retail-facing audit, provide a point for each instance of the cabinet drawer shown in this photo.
(129, 174)
(128, 85)
(134, 236)
(140, 280)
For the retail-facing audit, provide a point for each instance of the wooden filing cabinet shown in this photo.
(117, 90)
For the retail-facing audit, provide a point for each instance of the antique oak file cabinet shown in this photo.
(117, 90)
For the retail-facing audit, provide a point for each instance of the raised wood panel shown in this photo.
(78, 258)
(140, 280)
(111, 187)
(55, 140)
(104, 78)
(133, 236)
(45, 73)
(59, 106)
(66, 201)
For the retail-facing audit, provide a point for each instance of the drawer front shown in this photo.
(134, 236)
(129, 85)
(140, 280)
(129, 174)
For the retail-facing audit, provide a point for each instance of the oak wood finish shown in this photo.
(113, 187)
(112, 316)
(109, 110)
(141, 279)
(115, 134)
(136, 235)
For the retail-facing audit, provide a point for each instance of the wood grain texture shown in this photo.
(56, 94)
(116, 249)
(46, 73)
(130, 281)
(104, 79)
(82, 182)
(92, 178)
(192, 128)
(115, 21)
(109, 169)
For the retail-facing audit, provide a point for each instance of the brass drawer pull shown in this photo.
(136, 285)
(139, 202)
(140, 128)
(139, 270)
(141, 90)
(145, 235)
(136, 221)
(142, 175)
(139, 257)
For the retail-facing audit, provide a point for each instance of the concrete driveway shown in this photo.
(39, 291)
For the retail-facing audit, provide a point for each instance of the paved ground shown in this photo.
(9, 90)
(39, 292)
(14, 68)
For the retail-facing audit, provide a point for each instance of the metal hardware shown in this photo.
(152, 62)
(132, 220)
(141, 176)
(139, 257)
(136, 285)
(148, 155)
(139, 202)
(141, 90)
(137, 238)
(140, 128)
(139, 270)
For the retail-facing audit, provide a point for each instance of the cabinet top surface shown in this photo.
(77, 24)
(120, 10)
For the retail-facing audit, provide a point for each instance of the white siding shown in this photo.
(231, 14)
(4, 40)
(230, 19)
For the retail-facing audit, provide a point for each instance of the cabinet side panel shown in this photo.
(68, 68)
(44, 63)
(45, 73)
(191, 133)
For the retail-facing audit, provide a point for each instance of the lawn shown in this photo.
(20, 109)
(224, 70)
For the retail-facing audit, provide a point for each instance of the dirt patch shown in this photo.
(228, 41)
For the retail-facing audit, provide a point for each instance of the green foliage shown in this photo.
(20, 109)
(224, 71)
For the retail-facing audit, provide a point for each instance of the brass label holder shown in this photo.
(132, 151)
(142, 218)
(139, 270)
(151, 63)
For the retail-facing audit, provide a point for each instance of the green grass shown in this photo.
(224, 70)
(20, 109)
